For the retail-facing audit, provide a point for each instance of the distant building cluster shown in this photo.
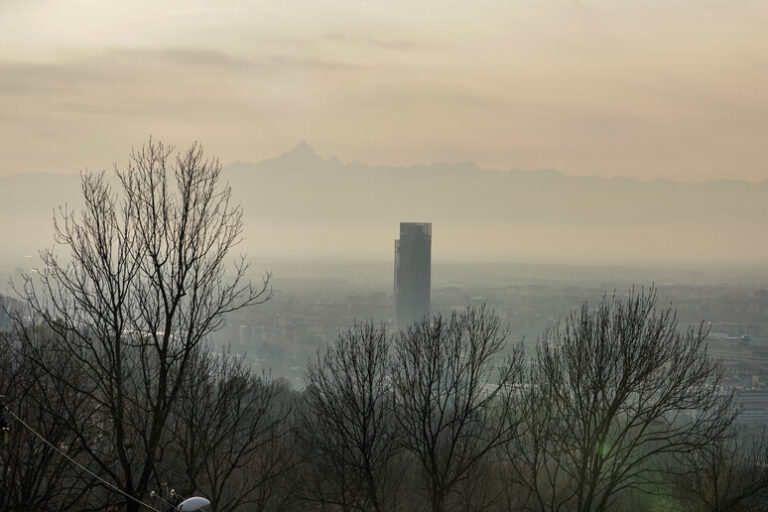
(753, 405)
(312, 312)
(746, 373)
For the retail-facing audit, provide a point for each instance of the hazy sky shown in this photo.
(644, 88)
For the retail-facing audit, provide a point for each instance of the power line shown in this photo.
(73, 461)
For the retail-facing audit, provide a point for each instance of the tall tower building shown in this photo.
(413, 272)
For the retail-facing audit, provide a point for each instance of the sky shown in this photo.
(638, 88)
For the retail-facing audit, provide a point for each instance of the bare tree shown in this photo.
(453, 397)
(608, 397)
(142, 286)
(226, 425)
(33, 474)
(726, 476)
(347, 424)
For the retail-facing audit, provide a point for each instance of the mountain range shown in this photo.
(300, 205)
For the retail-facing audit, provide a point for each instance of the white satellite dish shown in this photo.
(194, 503)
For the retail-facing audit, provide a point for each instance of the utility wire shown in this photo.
(73, 461)
(174, 507)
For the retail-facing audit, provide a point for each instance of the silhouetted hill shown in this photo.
(300, 204)
(303, 185)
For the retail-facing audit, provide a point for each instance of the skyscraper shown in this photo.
(413, 272)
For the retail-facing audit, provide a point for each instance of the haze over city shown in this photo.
(396, 256)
